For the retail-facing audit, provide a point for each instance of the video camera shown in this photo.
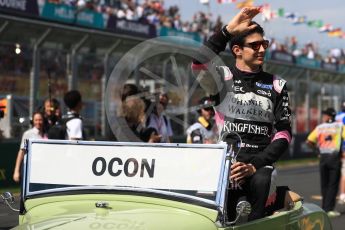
(2, 112)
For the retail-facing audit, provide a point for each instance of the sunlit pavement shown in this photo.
(305, 180)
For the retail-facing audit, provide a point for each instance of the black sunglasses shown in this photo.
(256, 45)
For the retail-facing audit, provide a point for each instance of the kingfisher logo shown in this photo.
(263, 86)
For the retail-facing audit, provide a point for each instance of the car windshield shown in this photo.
(179, 170)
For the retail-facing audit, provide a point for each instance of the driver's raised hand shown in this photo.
(242, 21)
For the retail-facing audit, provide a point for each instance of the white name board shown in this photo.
(167, 167)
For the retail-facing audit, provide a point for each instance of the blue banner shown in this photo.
(165, 31)
(132, 28)
(306, 62)
(282, 57)
(27, 7)
(342, 68)
(72, 15)
(329, 66)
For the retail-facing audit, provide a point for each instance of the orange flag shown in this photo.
(335, 33)
(3, 105)
(246, 3)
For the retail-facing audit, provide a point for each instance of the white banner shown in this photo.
(188, 168)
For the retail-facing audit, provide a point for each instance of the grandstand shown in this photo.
(73, 50)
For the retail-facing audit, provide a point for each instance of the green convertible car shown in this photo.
(138, 186)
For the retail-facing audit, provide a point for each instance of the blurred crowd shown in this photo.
(48, 122)
(147, 11)
(309, 50)
(154, 12)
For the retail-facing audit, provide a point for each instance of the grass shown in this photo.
(12, 189)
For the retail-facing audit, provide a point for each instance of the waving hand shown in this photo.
(242, 22)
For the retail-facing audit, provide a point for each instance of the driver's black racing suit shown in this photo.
(255, 105)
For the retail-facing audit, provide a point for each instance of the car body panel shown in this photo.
(302, 216)
(122, 212)
(131, 212)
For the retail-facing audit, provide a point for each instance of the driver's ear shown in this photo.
(237, 50)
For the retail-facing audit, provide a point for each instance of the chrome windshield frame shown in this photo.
(217, 203)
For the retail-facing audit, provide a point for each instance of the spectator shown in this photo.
(153, 11)
(273, 45)
(133, 112)
(310, 51)
(121, 14)
(186, 27)
(159, 122)
(164, 100)
(131, 117)
(336, 53)
(177, 23)
(128, 90)
(120, 129)
(282, 48)
(204, 130)
(74, 122)
(293, 44)
(327, 138)
(36, 132)
(52, 113)
(218, 24)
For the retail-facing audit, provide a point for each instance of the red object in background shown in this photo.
(302, 116)
(3, 105)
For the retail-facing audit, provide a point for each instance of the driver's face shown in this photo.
(250, 56)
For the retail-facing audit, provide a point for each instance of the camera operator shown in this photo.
(52, 113)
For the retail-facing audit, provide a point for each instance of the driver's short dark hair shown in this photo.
(72, 99)
(240, 38)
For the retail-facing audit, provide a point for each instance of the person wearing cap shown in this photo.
(204, 130)
(249, 102)
(340, 117)
(327, 138)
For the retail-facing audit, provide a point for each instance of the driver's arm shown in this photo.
(202, 67)
(282, 138)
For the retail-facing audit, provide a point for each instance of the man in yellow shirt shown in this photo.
(327, 138)
(204, 130)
